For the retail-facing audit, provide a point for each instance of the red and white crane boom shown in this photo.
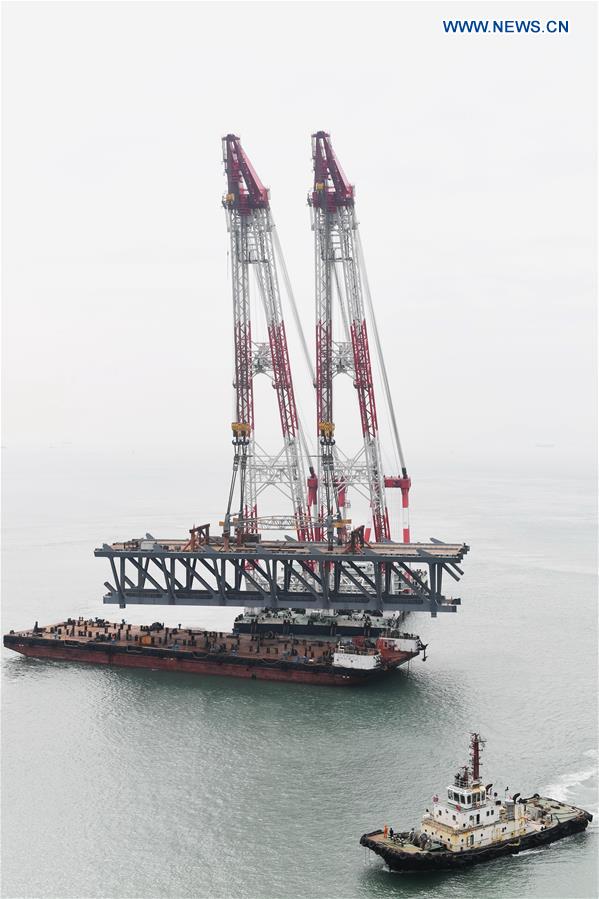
(252, 230)
(336, 239)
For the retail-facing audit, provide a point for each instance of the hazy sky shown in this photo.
(474, 162)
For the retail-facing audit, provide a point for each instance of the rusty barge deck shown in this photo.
(196, 651)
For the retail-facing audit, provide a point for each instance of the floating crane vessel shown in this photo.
(325, 603)
(473, 825)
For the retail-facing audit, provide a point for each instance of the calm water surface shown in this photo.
(149, 784)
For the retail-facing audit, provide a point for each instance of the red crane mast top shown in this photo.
(331, 186)
(245, 190)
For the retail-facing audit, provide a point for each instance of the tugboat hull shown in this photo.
(439, 860)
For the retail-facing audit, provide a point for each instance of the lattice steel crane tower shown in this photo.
(253, 238)
(337, 251)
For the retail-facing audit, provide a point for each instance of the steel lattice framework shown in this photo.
(251, 229)
(336, 242)
(312, 572)
(275, 575)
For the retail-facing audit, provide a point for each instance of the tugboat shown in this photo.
(474, 825)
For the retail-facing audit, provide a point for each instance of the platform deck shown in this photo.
(412, 552)
(251, 646)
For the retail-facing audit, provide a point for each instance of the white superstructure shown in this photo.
(351, 658)
(472, 816)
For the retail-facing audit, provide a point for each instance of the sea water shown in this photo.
(148, 784)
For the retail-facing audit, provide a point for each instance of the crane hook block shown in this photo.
(326, 428)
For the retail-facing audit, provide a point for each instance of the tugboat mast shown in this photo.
(476, 747)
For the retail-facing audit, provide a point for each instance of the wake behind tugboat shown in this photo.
(473, 825)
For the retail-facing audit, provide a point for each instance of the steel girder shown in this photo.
(279, 576)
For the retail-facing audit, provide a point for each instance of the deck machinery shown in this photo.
(326, 565)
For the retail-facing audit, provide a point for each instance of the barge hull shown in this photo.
(255, 669)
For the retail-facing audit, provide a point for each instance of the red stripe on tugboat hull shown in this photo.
(277, 671)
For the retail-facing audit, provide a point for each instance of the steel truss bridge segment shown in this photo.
(278, 574)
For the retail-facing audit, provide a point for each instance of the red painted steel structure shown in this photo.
(335, 225)
(227, 665)
(251, 227)
(476, 746)
(244, 186)
(244, 193)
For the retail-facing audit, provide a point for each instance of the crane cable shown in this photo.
(291, 296)
(308, 450)
(379, 350)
